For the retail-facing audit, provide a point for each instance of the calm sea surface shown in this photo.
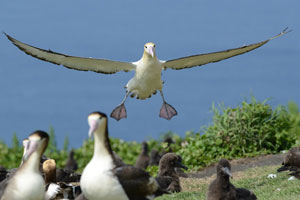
(36, 95)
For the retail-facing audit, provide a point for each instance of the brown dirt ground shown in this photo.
(242, 164)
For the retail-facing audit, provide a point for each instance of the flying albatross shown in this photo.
(147, 79)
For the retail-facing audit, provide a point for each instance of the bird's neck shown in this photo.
(145, 150)
(102, 146)
(50, 176)
(223, 181)
(32, 163)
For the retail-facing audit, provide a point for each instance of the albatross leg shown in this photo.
(166, 111)
(120, 111)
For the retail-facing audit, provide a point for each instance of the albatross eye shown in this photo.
(146, 47)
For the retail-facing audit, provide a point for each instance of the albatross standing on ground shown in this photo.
(221, 188)
(168, 178)
(103, 179)
(292, 162)
(147, 79)
(142, 161)
(27, 182)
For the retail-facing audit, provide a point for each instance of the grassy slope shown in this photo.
(254, 179)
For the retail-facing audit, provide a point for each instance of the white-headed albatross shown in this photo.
(12, 171)
(103, 179)
(27, 183)
(147, 79)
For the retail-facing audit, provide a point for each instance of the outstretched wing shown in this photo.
(202, 59)
(72, 62)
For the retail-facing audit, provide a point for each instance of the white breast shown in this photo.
(98, 182)
(29, 186)
(147, 79)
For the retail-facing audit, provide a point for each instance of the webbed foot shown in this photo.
(167, 111)
(119, 112)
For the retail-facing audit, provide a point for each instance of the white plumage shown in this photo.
(27, 185)
(147, 78)
(27, 182)
(104, 179)
(98, 182)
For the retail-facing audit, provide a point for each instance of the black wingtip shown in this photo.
(286, 30)
(8, 36)
(3, 32)
(283, 32)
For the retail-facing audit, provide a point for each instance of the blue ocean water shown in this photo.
(36, 95)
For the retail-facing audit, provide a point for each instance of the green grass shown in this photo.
(250, 129)
(255, 179)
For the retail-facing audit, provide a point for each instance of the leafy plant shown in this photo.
(249, 129)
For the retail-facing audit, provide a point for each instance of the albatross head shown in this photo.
(224, 168)
(149, 49)
(49, 169)
(170, 161)
(37, 142)
(97, 121)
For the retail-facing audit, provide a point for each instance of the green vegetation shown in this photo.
(248, 130)
(252, 128)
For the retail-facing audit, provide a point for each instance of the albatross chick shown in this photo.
(222, 189)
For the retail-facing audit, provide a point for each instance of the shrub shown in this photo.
(250, 129)
(295, 120)
(11, 157)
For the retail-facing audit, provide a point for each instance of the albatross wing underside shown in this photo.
(202, 59)
(73, 62)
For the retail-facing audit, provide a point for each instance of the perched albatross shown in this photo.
(11, 172)
(167, 177)
(147, 79)
(27, 182)
(103, 179)
(221, 188)
(71, 162)
(142, 161)
(292, 162)
(154, 157)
